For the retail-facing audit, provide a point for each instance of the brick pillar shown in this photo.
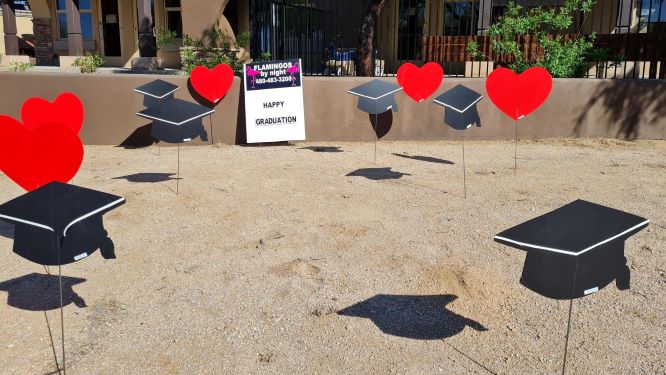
(74, 38)
(41, 28)
(147, 43)
(9, 22)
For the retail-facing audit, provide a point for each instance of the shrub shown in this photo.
(218, 49)
(89, 63)
(562, 58)
(165, 37)
(17, 66)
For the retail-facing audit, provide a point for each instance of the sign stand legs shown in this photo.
(566, 341)
(462, 136)
(62, 318)
(376, 137)
(515, 152)
(212, 142)
(178, 170)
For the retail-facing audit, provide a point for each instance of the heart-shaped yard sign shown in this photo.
(35, 157)
(519, 95)
(212, 84)
(420, 83)
(66, 109)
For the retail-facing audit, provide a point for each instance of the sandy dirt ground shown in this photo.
(276, 260)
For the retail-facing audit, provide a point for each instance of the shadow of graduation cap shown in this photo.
(37, 292)
(574, 250)
(58, 223)
(175, 120)
(460, 107)
(376, 96)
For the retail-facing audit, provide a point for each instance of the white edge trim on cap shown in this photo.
(27, 222)
(64, 233)
(155, 96)
(379, 97)
(455, 109)
(175, 123)
(571, 252)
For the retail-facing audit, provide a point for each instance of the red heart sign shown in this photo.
(420, 83)
(35, 157)
(212, 84)
(519, 95)
(67, 109)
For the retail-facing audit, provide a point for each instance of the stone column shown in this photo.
(147, 42)
(485, 15)
(74, 38)
(43, 31)
(9, 21)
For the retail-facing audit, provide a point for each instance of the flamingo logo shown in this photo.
(293, 70)
(253, 74)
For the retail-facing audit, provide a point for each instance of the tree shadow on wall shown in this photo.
(628, 103)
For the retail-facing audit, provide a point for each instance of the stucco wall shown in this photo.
(576, 108)
(23, 27)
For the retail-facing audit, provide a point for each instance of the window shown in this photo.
(85, 9)
(652, 16)
(174, 21)
(460, 18)
(410, 29)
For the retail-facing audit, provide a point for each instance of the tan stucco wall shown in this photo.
(23, 27)
(576, 108)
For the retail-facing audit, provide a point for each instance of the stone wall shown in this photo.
(43, 41)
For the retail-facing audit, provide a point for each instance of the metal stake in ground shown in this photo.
(515, 152)
(462, 136)
(178, 170)
(62, 315)
(212, 142)
(376, 137)
(566, 340)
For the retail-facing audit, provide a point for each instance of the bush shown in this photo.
(217, 50)
(562, 58)
(165, 37)
(89, 63)
(17, 66)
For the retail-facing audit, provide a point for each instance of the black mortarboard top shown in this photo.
(174, 120)
(157, 89)
(574, 250)
(376, 96)
(56, 214)
(460, 103)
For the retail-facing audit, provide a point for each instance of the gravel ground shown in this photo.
(273, 260)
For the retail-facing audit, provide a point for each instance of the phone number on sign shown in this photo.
(273, 80)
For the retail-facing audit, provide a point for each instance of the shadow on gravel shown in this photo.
(377, 174)
(6, 230)
(428, 159)
(147, 177)
(37, 292)
(322, 148)
(413, 317)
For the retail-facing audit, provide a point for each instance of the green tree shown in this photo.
(562, 57)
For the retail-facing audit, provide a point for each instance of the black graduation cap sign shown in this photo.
(460, 103)
(58, 223)
(174, 120)
(157, 89)
(376, 96)
(574, 250)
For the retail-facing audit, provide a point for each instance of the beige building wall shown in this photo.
(23, 27)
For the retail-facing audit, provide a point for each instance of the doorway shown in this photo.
(110, 38)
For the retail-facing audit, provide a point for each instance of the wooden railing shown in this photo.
(632, 47)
